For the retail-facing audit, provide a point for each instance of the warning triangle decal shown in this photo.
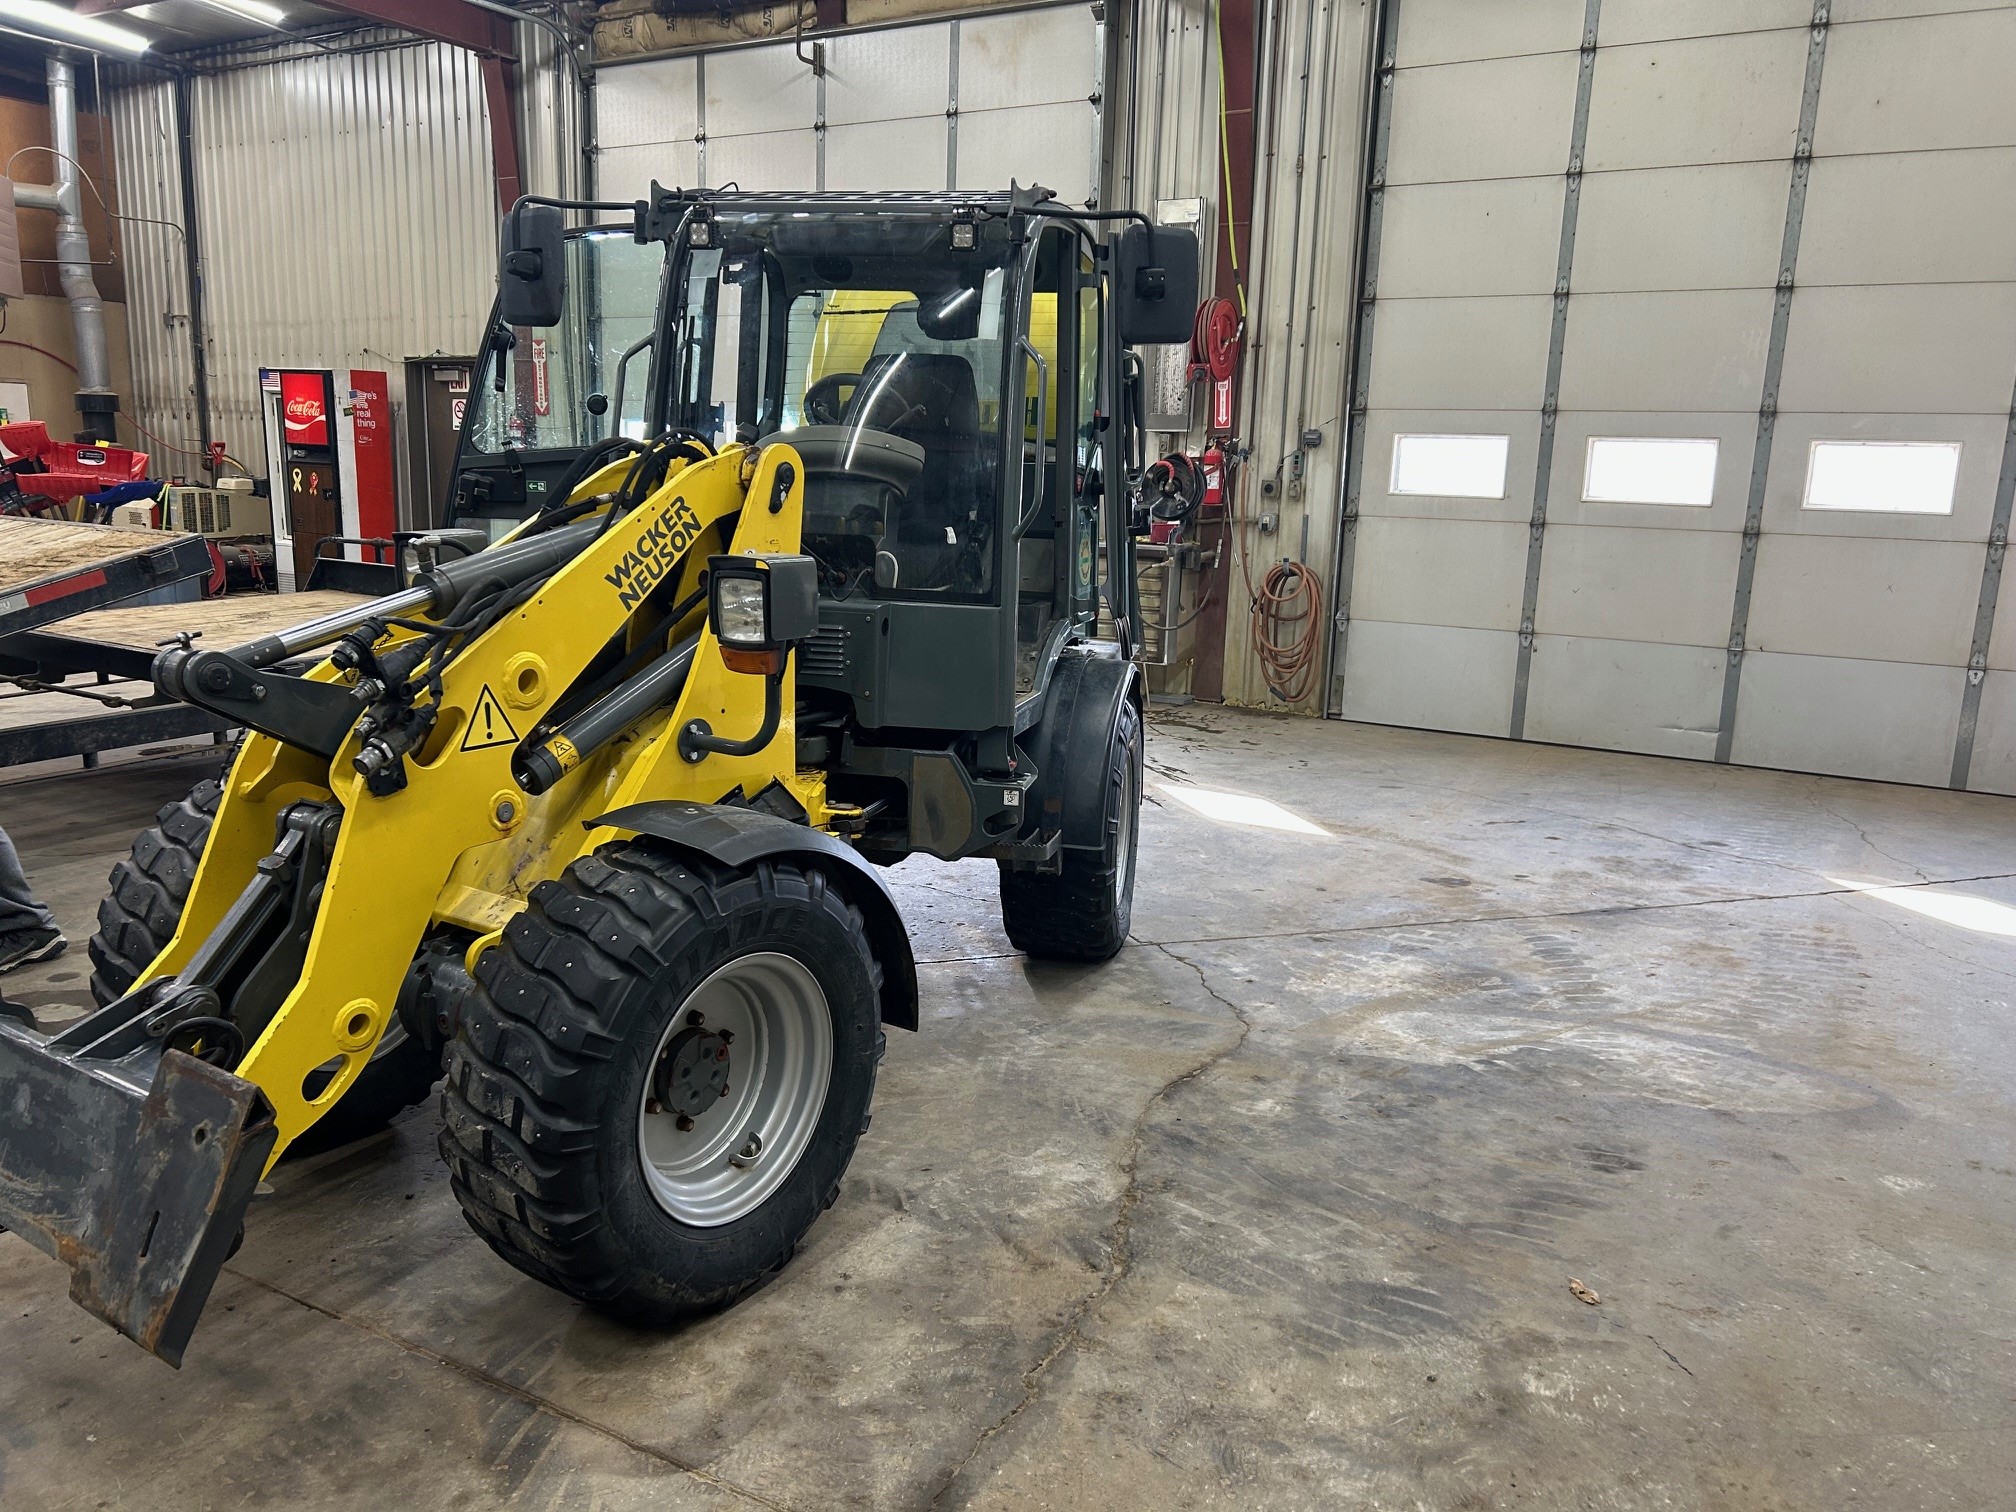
(488, 725)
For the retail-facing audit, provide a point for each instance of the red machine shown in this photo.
(59, 470)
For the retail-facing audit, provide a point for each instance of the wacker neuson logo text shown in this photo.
(661, 544)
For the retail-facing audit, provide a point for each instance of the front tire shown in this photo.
(582, 1058)
(1083, 912)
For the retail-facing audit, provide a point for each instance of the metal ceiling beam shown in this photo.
(482, 32)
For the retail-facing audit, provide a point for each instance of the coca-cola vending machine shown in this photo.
(329, 456)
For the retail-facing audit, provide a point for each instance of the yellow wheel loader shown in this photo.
(780, 542)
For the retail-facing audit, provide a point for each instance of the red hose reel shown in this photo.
(1214, 355)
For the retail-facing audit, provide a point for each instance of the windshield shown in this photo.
(544, 392)
(877, 349)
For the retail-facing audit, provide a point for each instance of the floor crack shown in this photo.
(532, 1399)
(1668, 1353)
(1838, 816)
(1446, 921)
(1120, 1252)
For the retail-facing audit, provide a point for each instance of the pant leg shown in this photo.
(19, 909)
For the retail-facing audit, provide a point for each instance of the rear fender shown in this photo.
(1069, 744)
(739, 837)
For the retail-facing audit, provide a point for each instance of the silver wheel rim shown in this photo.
(738, 1151)
(1123, 869)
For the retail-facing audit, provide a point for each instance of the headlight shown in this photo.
(741, 612)
(761, 606)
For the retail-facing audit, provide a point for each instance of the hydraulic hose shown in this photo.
(507, 565)
(438, 591)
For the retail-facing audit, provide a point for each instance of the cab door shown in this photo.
(1057, 553)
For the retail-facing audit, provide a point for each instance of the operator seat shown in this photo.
(939, 405)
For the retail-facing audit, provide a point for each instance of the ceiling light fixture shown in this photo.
(56, 24)
(255, 11)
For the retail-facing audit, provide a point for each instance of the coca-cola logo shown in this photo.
(301, 407)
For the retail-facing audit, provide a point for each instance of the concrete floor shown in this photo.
(1278, 1209)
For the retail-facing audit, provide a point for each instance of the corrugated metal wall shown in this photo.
(157, 284)
(1313, 61)
(347, 215)
(551, 118)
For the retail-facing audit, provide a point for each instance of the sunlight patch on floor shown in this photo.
(1239, 808)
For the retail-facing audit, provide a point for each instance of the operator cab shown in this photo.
(953, 373)
(876, 349)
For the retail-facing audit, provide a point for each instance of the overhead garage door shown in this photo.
(1685, 392)
(964, 104)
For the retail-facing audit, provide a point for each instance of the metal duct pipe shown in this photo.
(35, 196)
(96, 403)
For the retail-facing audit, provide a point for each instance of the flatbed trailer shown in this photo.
(60, 647)
(52, 569)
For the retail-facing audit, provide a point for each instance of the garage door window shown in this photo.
(1650, 470)
(1883, 477)
(1450, 467)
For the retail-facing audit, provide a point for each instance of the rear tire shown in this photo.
(555, 1154)
(137, 918)
(1083, 912)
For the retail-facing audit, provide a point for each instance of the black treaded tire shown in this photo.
(1083, 912)
(546, 1077)
(138, 916)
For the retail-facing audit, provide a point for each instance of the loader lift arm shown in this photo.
(154, 1117)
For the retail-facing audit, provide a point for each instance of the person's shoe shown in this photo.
(29, 946)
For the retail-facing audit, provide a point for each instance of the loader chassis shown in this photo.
(590, 816)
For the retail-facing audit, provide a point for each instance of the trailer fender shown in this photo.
(1069, 744)
(738, 837)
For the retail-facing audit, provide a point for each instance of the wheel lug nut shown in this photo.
(683, 1124)
(696, 1018)
(724, 1091)
(651, 1105)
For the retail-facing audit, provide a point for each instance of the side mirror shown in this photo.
(1155, 284)
(531, 266)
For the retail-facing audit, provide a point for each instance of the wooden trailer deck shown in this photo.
(224, 622)
(51, 569)
(98, 665)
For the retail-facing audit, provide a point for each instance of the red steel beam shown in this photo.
(1239, 36)
(500, 94)
(482, 32)
(490, 37)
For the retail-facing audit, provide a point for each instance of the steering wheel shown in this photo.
(822, 400)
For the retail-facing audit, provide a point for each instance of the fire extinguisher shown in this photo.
(1212, 463)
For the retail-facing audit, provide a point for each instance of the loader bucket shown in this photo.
(135, 1173)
